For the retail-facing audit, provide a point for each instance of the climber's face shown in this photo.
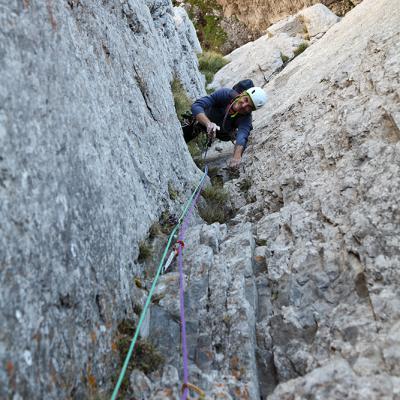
(243, 105)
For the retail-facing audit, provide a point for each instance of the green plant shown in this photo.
(206, 16)
(138, 283)
(194, 149)
(145, 356)
(173, 193)
(157, 298)
(284, 58)
(227, 319)
(145, 251)
(181, 99)
(261, 242)
(216, 207)
(155, 230)
(245, 185)
(137, 309)
(200, 163)
(213, 35)
(210, 62)
(300, 49)
(127, 327)
(167, 222)
(216, 177)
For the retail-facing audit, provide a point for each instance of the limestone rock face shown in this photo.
(308, 23)
(89, 141)
(262, 59)
(298, 295)
(257, 15)
(325, 160)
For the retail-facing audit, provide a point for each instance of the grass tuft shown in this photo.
(167, 222)
(284, 58)
(155, 230)
(145, 356)
(207, 16)
(245, 185)
(173, 193)
(300, 49)
(210, 62)
(216, 208)
(181, 99)
(145, 251)
(137, 309)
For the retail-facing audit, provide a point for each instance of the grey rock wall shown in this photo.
(89, 141)
(327, 171)
(297, 296)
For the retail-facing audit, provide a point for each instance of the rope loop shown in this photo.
(195, 389)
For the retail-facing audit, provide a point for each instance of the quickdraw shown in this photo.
(173, 254)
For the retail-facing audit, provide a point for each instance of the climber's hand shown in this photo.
(212, 129)
(234, 163)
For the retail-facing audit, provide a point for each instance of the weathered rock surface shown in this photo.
(260, 14)
(297, 296)
(89, 141)
(245, 21)
(262, 59)
(329, 176)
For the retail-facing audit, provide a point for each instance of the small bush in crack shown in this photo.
(300, 49)
(206, 16)
(210, 62)
(216, 177)
(245, 185)
(155, 230)
(261, 242)
(216, 208)
(173, 193)
(137, 309)
(145, 356)
(196, 148)
(138, 282)
(145, 251)
(284, 58)
(181, 99)
(167, 221)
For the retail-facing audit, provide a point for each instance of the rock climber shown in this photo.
(226, 114)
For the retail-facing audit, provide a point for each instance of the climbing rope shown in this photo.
(189, 204)
(194, 388)
(181, 237)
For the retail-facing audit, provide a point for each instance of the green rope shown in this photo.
(143, 314)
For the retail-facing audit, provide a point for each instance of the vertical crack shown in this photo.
(144, 91)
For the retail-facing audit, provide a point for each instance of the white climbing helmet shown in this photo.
(258, 96)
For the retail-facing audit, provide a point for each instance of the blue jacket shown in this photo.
(215, 106)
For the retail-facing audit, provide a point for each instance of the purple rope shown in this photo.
(182, 290)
